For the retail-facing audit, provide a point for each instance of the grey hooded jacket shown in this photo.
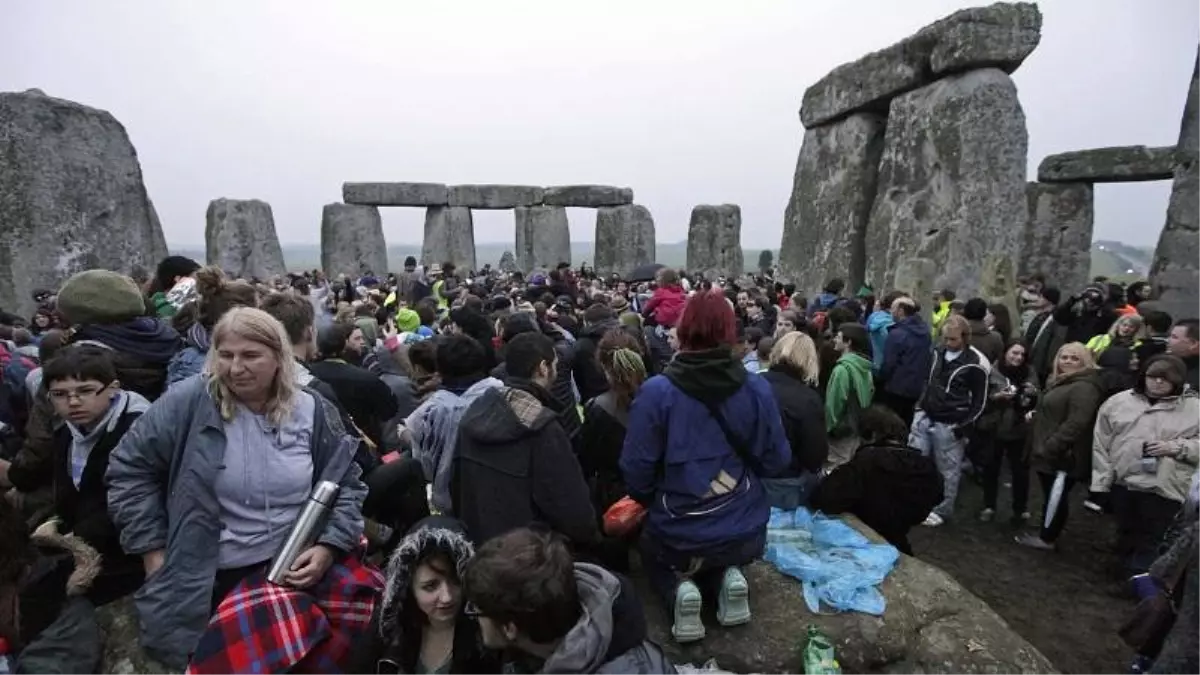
(161, 481)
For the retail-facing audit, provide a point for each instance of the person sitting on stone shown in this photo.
(531, 598)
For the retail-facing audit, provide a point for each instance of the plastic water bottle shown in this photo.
(819, 658)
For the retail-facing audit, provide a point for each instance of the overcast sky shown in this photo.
(685, 102)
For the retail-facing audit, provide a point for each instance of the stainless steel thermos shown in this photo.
(304, 533)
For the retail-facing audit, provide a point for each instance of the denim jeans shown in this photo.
(938, 439)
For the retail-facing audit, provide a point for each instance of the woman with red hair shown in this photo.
(700, 438)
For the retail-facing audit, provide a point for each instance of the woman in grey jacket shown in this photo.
(206, 486)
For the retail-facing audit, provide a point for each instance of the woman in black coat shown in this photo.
(605, 416)
(793, 373)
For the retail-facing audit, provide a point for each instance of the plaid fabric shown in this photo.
(263, 628)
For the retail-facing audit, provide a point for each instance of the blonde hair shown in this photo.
(1081, 351)
(257, 326)
(797, 351)
(1135, 319)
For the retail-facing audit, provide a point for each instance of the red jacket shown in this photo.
(666, 305)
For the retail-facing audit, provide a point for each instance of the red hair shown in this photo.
(707, 323)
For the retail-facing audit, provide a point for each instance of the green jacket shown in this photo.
(852, 373)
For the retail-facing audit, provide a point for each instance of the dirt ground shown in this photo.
(1062, 602)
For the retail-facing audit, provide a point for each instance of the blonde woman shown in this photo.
(793, 370)
(1062, 434)
(1127, 331)
(207, 485)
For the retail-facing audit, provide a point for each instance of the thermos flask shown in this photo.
(304, 533)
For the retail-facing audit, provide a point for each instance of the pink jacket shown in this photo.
(666, 305)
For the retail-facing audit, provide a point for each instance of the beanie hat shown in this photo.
(100, 297)
(975, 309)
(1052, 295)
(407, 321)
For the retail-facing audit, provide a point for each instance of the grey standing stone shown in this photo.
(1057, 240)
(918, 278)
(1174, 275)
(543, 237)
(1125, 164)
(951, 180)
(1001, 35)
(396, 194)
(495, 196)
(624, 239)
(239, 237)
(352, 240)
(449, 237)
(825, 225)
(71, 197)
(714, 243)
(587, 195)
(508, 262)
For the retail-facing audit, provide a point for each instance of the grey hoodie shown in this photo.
(82, 441)
(434, 428)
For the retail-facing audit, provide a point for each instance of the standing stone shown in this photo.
(71, 197)
(543, 237)
(714, 243)
(951, 180)
(825, 225)
(352, 241)
(449, 237)
(508, 262)
(239, 237)
(624, 239)
(1174, 275)
(1057, 240)
(917, 277)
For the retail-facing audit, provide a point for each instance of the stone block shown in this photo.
(71, 197)
(1001, 35)
(352, 241)
(1175, 275)
(714, 243)
(1057, 240)
(918, 278)
(825, 224)
(1125, 164)
(495, 196)
(449, 237)
(587, 195)
(624, 239)
(543, 237)
(239, 237)
(396, 194)
(951, 184)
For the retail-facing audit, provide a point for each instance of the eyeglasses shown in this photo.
(81, 394)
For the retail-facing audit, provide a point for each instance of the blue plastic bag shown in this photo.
(835, 563)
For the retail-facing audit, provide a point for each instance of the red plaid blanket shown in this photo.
(263, 628)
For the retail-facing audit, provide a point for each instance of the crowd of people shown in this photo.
(504, 444)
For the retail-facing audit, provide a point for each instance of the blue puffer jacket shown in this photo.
(161, 479)
(907, 354)
(878, 325)
(670, 429)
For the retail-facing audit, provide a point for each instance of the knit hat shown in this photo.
(100, 297)
(619, 304)
(407, 321)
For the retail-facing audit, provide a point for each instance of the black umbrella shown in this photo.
(645, 272)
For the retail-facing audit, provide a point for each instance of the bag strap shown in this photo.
(739, 446)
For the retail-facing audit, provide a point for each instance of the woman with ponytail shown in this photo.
(620, 358)
(215, 295)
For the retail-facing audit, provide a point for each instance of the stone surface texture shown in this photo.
(396, 194)
(1001, 35)
(495, 196)
(931, 625)
(825, 224)
(352, 240)
(71, 197)
(587, 195)
(918, 277)
(714, 243)
(449, 237)
(1173, 275)
(951, 180)
(543, 237)
(1124, 164)
(118, 623)
(1057, 240)
(624, 239)
(239, 237)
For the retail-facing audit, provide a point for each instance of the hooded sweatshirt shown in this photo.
(851, 376)
(610, 636)
(878, 324)
(514, 465)
(142, 348)
(435, 426)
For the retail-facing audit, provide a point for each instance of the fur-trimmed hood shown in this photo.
(439, 533)
(87, 559)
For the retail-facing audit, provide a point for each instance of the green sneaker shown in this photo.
(687, 627)
(733, 604)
